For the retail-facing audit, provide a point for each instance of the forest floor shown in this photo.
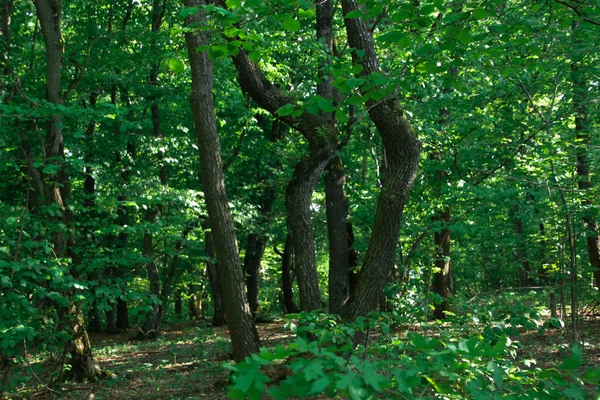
(186, 362)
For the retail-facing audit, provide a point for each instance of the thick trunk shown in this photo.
(244, 337)
(337, 230)
(287, 281)
(122, 314)
(57, 185)
(402, 151)
(441, 278)
(297, 203)
(213, 278)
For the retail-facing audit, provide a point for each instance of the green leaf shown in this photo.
(319, 385)
(176, 65)
(464, 37)
(353, 14)
(480, 13)
(291, 25)
(233, 3)
(284, 111)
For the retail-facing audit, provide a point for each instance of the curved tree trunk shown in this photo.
(244, 337)
(402, 152)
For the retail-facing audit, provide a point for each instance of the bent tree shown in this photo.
(402, 151)
(244, 337)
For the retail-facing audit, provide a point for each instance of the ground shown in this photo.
(186, 362)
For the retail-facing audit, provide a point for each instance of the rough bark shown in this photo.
(57, 185)
(580, 100)
(339, 240)
(287, 281)
(244, 337)
(213, 278)
(322, 142)
(402, 152)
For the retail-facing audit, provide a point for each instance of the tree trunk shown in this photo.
(402, 152)
(287, 281)
(192, 307)
(322, 143)
(441, 278)
(580, 100)
(213, 278)
(337, 230)
(179, 305)
(244, 337)
(255, 249)
(57, 185)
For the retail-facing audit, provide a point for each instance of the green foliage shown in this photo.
(398, 366)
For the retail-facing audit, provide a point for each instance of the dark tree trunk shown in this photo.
(179, 305)
(322, 143)
(441, 278)
(525, 278)
(57, 185)
(150, 329)
(192, 303)
(287, 281)
(339, 239)
(213, 278)
(580, 100)
(122, 314)
(94, 325)
(402, 151)
(255, 249)
(244, 337)
(111, 323)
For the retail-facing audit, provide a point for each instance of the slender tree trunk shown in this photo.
(402, 154)
(192, 306)
(287, 281)
(255, 249)
(179, 305)
(57, 185)
(244, 337)
(441, 278)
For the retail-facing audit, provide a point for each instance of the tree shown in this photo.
(244, 337)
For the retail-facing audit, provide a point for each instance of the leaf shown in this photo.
(480, 13)
(319, 385)
(233, 3)
(284, 111)
(353, 14)
(291, 25)
(176, 65)
(464, 37)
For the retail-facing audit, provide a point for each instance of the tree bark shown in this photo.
(287, 281)
(57, 185)
(322, 144)
(580, 100)
(402, 151)
(244, 337)
(213, 278)
(337, 231)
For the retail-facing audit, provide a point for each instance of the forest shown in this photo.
(351, 199)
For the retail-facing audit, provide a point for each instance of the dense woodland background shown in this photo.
(368, 168)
